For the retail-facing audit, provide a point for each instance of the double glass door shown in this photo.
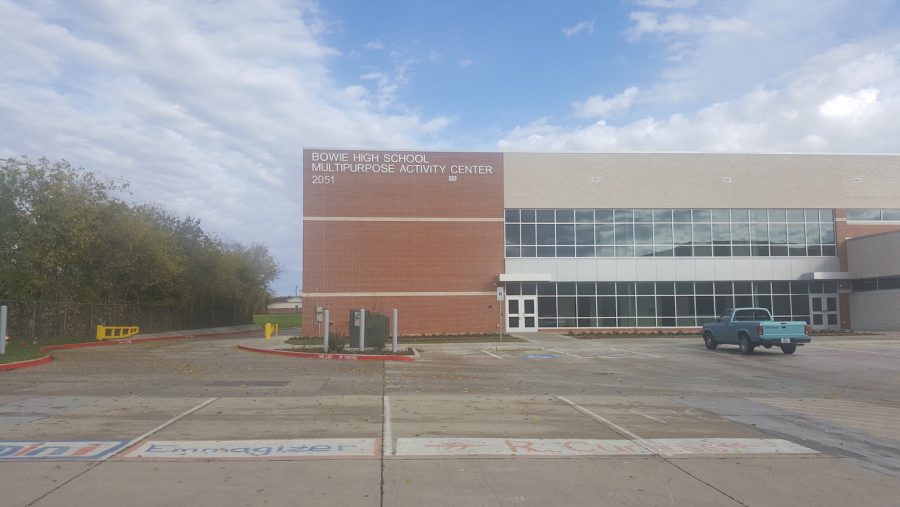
(521, 313)
(824, 311)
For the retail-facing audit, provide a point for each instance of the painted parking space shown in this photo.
(226, 450)
(59, 450)
(590, 447)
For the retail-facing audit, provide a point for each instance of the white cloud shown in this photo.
(651, 23)
(598, 106)
(375, 45)
(666, 4)
(203, 106)
(863, 102)
(465, 62)
(806, 110)
(581, 26)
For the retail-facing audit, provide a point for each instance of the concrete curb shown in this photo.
(25, 364)
(322, 355)
(127, 341)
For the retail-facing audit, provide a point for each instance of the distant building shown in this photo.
(285, 304)
(586, 241)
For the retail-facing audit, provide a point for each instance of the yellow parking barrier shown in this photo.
(271, 330)
(116, 332)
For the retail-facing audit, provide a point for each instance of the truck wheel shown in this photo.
(788, 349)
(709, 341)
(745, 346)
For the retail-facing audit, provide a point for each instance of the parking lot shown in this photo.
(553, 421)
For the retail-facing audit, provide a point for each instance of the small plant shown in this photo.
(337, 344)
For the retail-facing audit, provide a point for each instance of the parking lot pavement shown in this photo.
(562, 422)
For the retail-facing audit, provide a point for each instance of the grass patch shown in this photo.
(18, 351)
(284, 320)
(417, 340)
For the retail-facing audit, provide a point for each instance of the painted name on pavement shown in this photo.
(58, 451)
(255, 449)
(588, 447)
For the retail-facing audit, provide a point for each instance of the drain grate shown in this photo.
(249, 383)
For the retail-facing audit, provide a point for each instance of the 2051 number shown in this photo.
(322, 179)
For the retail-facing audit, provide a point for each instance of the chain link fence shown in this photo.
(46, 322)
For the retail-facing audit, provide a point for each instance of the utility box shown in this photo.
(377, 329)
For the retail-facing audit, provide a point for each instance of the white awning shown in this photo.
(525, 277)
(829, 275)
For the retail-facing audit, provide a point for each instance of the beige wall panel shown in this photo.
(877, 255)
(876, 310)
(684, 180)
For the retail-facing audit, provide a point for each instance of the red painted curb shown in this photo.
(126, 341)
(321, 355)
(25, 364)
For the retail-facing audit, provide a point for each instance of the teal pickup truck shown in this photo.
(749, 328)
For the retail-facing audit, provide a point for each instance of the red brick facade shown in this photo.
(420, 232)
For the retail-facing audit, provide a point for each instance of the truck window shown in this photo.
(744, 315)
(763, 315)
(725, 317)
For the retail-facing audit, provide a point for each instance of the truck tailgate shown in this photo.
(774, 330)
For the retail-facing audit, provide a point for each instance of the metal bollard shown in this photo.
(394, 331)
(362, 330)
(327, 327)
(2, 330)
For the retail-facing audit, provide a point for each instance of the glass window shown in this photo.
(567, 307)
(682, 234)
(684, 306)
(512, 234)
(546, 216)
(665, 288)
(527, 215)
(603, 215)
(606, 306)
(826, 215)
(704, 287)
(547, 307)
(625, 288)
(827, 233)
(662, 234)
(759, 215)
(643, 234)
(740, 215)
(890, 214)
(565, 215)
(701, 215)
(759, 233)
(587, 307)
(565, 288)
(702, 234)
(864, 214)
(705, 305)
(777, 215)
(624, 215)
(740, 234)
(624, 234)
(743, 288)
(812, 234)
(665, 306)
(528, 234)
(586, 288)
(546, 234)
(720, 215)
(513, 251)
(565, 251)
(603, 234)
(721, 234)
(546, 289)
(644, 288)
(646, 307)
(584, 234)
(643, 215)
(796, 234)
(795, 215)
(606, 288)
(625, 306)
(681, 215)
(662, 215)
(684, 288)
(512, 215)
(584, 216)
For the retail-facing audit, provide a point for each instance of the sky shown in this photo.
(205, 106)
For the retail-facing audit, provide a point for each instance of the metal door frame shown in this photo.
(521, 315)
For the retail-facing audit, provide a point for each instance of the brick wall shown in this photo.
(417, 235)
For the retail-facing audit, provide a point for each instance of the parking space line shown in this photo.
(648, 416)
(492, 355)
(570, 355)
(634, 352)
(602, 420)
(848, 350)
(709, 352)
(388, 438)
(160, 427)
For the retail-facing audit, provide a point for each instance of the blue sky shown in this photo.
(205, 105)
